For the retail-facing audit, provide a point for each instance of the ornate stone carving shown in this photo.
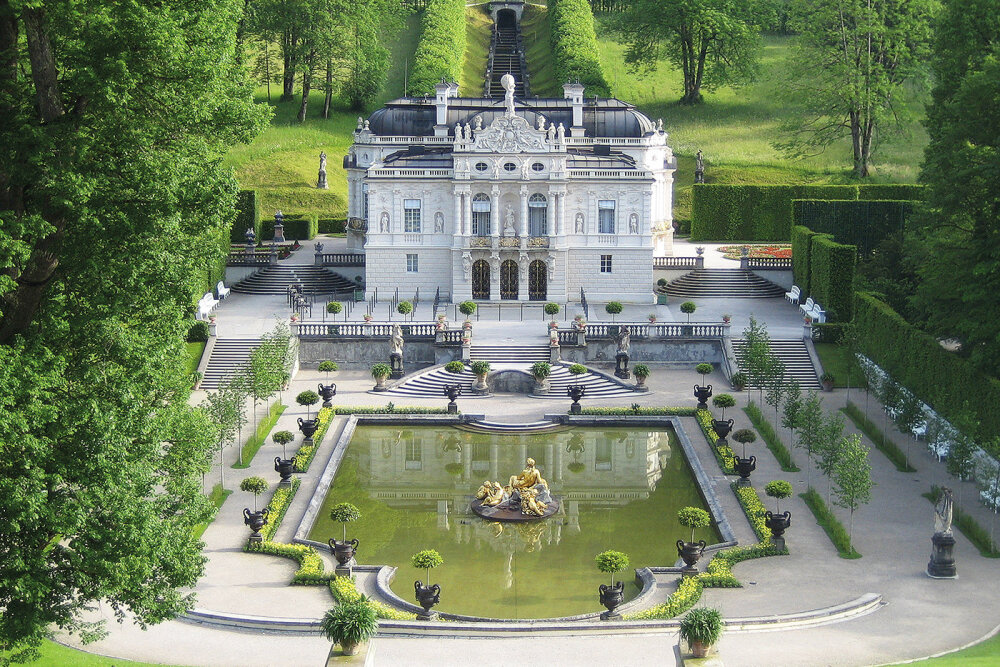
(579, 223)
(480, 242)
(550, 262)
(509, 242)
(383, 223)
(523, 265)
(510, 134)
(467, 266)
(633, 224)
(439, 223)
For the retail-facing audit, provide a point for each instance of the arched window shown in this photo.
(538, 208)
(481, 215)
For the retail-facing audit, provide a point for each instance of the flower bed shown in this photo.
(652, 411)
(754, 510)
(344, 590)
(724, 454)
(776, 251)
(304, 457)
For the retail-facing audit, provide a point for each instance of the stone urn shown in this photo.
(703, 394)
(744, 467)
(327, 391)
(690, 552)
(778, 523)
(344, 551)
(427, 597)
(452, 391)
(308, 427)
(480, 386)
(576, 392)
(541, 385)
(722, 429)
(256, 521)
(611, 597)
(380, 383)
(285, 468)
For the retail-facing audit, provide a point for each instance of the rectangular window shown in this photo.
(414, 456)
(605, 263)
(606, 216)
(411, 263)
(364, 201)
(481, 216)
(537, 224)
(411, 216)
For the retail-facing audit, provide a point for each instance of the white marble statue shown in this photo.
(396, 340)
(383, 223)
(508, 222)
(439, 223)
(467, 266)
(633, 224)
(507, 81)
(942, 512)
(579, 223)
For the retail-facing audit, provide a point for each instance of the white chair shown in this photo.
(222, 290)
(807, 307)
(793, 295)
(206, 305)
(817, 314)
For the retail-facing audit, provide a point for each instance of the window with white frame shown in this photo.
(411, 215)
(605, 263)
(364, 202)
(538, 208)
(606, 216)
(411, 263)
(481, 215)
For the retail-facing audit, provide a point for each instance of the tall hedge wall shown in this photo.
(298, 227)
(574, 46)
(441, 49)
(247, 215)
(801, 240)
(831, 276)
(862, 223)
(942, 379)
(764, 212)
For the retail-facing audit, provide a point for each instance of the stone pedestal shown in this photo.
(396, 364)
(942, 563)
(452, 408)
(621, 366)
(345, 570)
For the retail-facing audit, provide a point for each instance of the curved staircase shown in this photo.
(724, 284)
(276, 279)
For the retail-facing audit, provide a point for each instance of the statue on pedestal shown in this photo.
(508, 222)
(525, 497)
(942, 563)
(321, 183)
(624, 340)
(699, 168)
(396, 351)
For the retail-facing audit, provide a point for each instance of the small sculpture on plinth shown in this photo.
(427, 597)
(624, 341)
(699, 168)
(508, 223)
(396, 352)
(327, 391)
(612, 597)
(942, 563)
(251, 239)
(526, 496)
(703, 394)
(279, 227)
(452, 391)
(575, 392)
(321, 181)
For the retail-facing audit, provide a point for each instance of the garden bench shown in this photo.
(206, 305)
(793, 295)
(222, 290)
(817, 314)
(807, 306)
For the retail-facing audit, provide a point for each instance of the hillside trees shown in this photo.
(712, 42)
(114, 119)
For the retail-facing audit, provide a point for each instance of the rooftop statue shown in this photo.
(508, 83)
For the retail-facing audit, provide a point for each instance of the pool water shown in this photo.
(620, 489)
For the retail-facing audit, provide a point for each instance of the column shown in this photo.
(495, 222)
(524, 211)
(467, 213)
(561, 214)
(456, 228)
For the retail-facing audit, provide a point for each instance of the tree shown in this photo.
(793, 408)
(745, 436)
(778, 489)
(852, 479)
(613, 308)
(774, 374)
(829, 448)
(756, 352)
(611, 562)
(223, 407)
(427, 560)
(254, 485)
(961, 461)
(112, 117)
(283, 438)
(693, 517)
(345, 513)
(810, 426)
(958, 234)
(712, 42)
(854, 58)
(307, 398)
(688, 308)
(723, 401)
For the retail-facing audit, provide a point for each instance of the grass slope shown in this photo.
(57, 655)
(536, 34)
(477, 51)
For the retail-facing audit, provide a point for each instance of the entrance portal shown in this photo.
(506, 19)
(508, 279)
(538, 281)
(481, 279)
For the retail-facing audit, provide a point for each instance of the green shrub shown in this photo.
(641, 370)
(861, 223)
(334, 307)
(801, 245)
(404, 307)
(703, 370)
(298, 226)
(381, 370)
(306, 453)
(611, 562)
(580, 369)
(307, 397)
(426, 560)
(247, 216)
(723, 454)
(688, 307)
(350, 623)
(613, 308)
(344, 591)
(331, 226)
(328, 367)
(574, 46)
(881, 441)
(703, 625)
(778, 489)
(834, 529)
(679, 412)
(455, 367)
(541, 369)
(771, 439)
(754, 510)
(828, 332)
(693, 518)
(198, 333)
(467, 308)
(480, 367)
(831, 277)
(662, 282)
(723, 401)
(441, 50)
(551, 308)
(344, 513)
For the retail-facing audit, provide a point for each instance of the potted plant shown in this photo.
(723, 426)
(328, 367)
(613, 595)
(380, 372)
(739, 381)
(778, 522)
(692, 517)
(577, 369)
(701, 628)
(350, 624)
(467, 308)
(334, 307)
(661, 284)
(540, 370)
(367, 317)
(344, 550)
(427, 595)
(687, 308)
(613, 308)
(295, 317)
(404, 308)
(481, 368)
(282, 438)
(703, 392)
(256, 520)
(744, 466)
(652, 318)
(727, 318)
(641, 372)
(454, 367)
(307, 398)
(552, 309)
(827, 380)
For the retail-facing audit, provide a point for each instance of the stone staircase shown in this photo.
(793, 353)
(723, 284)
(227, 356)
(505, 427)
(509, 354)
(506, 59)
(276, 279)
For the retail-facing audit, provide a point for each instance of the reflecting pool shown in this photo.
(620, 489)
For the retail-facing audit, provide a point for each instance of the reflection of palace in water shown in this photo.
(442, 468)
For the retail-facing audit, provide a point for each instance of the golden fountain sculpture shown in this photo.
(525, 496)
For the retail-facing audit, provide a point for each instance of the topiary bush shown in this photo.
(334, 307)
(198, 333)
(703, 370)
(613, 308)
(577, 369)
(427, 560)
(256, 486)
(688, 307)
(723, 401)
(467, 308)
(551, 308)
(611, 562)
(693, 517)
(455, 367)
(778, 489)
(328, 367)
(345, 513)
(404, 307)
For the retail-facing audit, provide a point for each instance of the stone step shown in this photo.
(276, 280)
(793, 354)
(228, 355)
(723, 283)
(431, 383)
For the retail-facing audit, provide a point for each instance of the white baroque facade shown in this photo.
(504, 200)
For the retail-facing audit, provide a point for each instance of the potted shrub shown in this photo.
(467, 308)
(739, 381)
(334, 308)
(282, 438)
(295, 317)
(701, 628)
(367, 317)
(827, 380)
(307, 398)
(350, 624)
(727, 318)
(778, 522)
(454, 367)
(577, 369)
(744, 466)
(613, 595)
(552, 309)
(540, 370)
(613, 308)
(404, 308)
(481, 368)
(641, 372)
(328, 367)
(652, 318)
(344, 550)
(256, 519)
(380, 372)
(723, 426)
(703, 392)
(427, 595)
(579, 323)
(661, 284)
(693, 518)
(687, 308)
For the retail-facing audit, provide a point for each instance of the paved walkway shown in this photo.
(920, 616)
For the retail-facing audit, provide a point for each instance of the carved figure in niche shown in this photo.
(633, 224)
(551, 132)
(525, 170)
(579, 223)
(942, 512)
(561, 133)
(383, 223)
(396, 340)
(495, 173)
(467, 266)
(439, 223)
(523, 266)
(551, 264)
(508, 222)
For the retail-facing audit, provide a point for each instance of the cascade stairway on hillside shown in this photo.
(723, 283)
(275, 279)
(506, 59)
(227, 356)
(793, 353)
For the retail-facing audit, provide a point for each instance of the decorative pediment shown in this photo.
(510, 134)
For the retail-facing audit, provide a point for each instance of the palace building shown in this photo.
(502, 199)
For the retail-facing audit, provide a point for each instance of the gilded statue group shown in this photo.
(529, 490)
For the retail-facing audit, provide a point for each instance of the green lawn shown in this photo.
(260, 436)
(985, 654)
(192, 356)
(216, 497)
(57, 655)
(835, 360)
(477, 51)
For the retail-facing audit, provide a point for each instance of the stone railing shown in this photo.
(569, 337)
(243, 259)
(420, 331)
(450, 336)
(610, 173)
(339, 259)
(658, 330)
(687, 263)
(766, 263)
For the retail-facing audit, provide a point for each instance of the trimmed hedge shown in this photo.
(801, 244)
(914, 358)
(831, 276)
(897, 191)
(298, 226)
(247, 216)
(574, 46)
(441, 50)
(862, 223)
(331, 226)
